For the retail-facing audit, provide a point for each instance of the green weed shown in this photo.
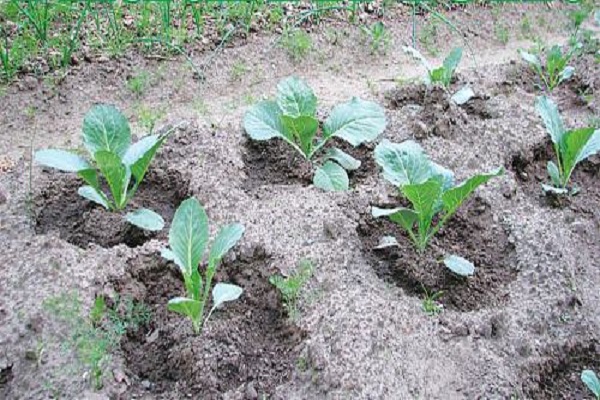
(94, 336)
(291, 286)
(296, 43)
(138, 83)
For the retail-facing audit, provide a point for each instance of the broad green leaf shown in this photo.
(90, 176)
(356, 121)
(451, 62)
(184, 306)
(531, 59)
(403, 163)
(263, 121)
(549, 113)
(347, 162)
(453, 198)
(105, 128)
(459, 265)
(463, 95)
(591, 380)
(223, 292)
(386, 241)
(424, 198)
(61, 160)
(566, 74)
(227, 237)
(577, 145)
(140, 155)
(139, 148)
(115, 173)
(146, 219)
(438, 75)
(189, 234)
(331, 177)
(405, 217)
(445, 176)
(295, 98)
(554, 173)
(303, 129)
(94, 195)
(168, 255)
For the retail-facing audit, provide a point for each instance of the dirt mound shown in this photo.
(248, 345)
(471, 233)
(59, 207)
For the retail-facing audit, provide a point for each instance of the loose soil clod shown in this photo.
(59, 207)
(471, 234)
(248, 345)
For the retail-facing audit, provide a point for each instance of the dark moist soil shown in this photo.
(437, 114)
(274, 162)
(558, 375)
(530, 171)
(58, 207)
(471, 234)
(248, 345)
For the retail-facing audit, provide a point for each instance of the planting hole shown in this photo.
(275, 162)
(247, 344)
(558, 374)
(471, 234)
(59, 207)
(530, 172)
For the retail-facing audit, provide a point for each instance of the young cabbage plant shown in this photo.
(292, 117)
(431, 190)
(443, 75)
(591, 380)
(188, 239)
(556, 69)
(571, 147)
(123, 165)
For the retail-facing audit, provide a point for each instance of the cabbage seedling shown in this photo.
(431, 190)
(188, 239)
(571, 147)
(443, 75)
(592, 382)
(123, 165)
(292, 117)
(556, 69)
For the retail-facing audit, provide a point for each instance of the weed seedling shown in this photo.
(291, 286)
(292, 117)
(591, 380)
(296, 43)
(138, 84)
(556, 70)
(431, 190)
(188, 239)
(107, 138)
(95, 336)
(570, 147)
(378, 37)
(431, 306)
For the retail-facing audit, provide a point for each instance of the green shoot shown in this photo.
(188, 239)
(291, 286)
(570, 147)
(107, 138)
(379, 38)
(556, 70)
(431, 190)
(292, 117)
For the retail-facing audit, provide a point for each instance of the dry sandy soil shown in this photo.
(523, 327)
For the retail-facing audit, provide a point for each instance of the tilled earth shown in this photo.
(524, 326)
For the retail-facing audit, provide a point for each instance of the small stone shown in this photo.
(102, 59)
(30, 82)
(152, 337)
